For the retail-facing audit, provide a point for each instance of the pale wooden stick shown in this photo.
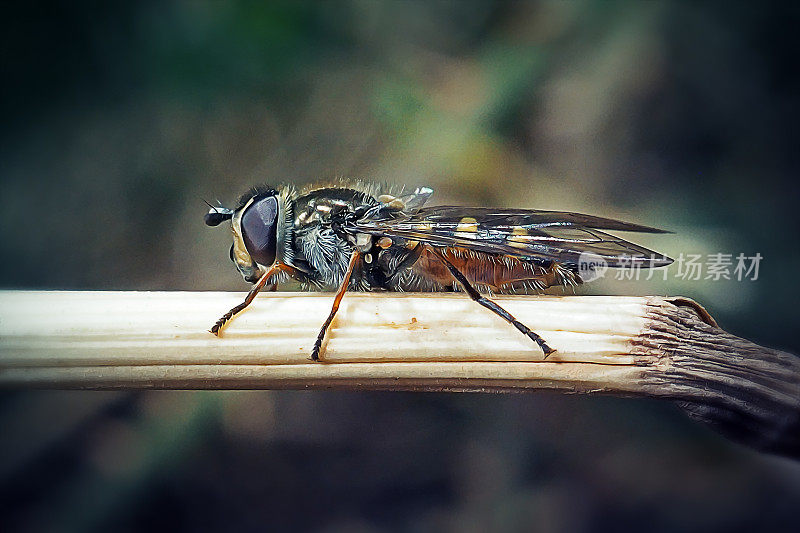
(642, 346)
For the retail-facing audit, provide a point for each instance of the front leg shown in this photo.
(336, 301)
(216, 329)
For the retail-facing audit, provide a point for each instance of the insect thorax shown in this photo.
(315, 242)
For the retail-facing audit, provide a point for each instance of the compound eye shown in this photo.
(259, 229)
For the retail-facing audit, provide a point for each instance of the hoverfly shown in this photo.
(351, 237)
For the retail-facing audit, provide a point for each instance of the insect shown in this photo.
(352, 237)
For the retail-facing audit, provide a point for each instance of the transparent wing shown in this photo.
(414, 201)
(398, 207)
(531, 234)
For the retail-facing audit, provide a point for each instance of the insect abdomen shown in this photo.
(498, 273)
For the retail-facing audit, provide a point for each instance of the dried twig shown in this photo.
(636, 346)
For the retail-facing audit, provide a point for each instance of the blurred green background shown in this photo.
(119, 119)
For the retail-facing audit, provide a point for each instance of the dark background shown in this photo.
(119, 119)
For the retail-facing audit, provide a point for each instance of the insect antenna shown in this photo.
(216, 214)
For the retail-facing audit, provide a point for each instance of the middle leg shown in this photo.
(336, 301)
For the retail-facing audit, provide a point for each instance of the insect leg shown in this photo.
(336, 301)
(489, 304)
(262, 281)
